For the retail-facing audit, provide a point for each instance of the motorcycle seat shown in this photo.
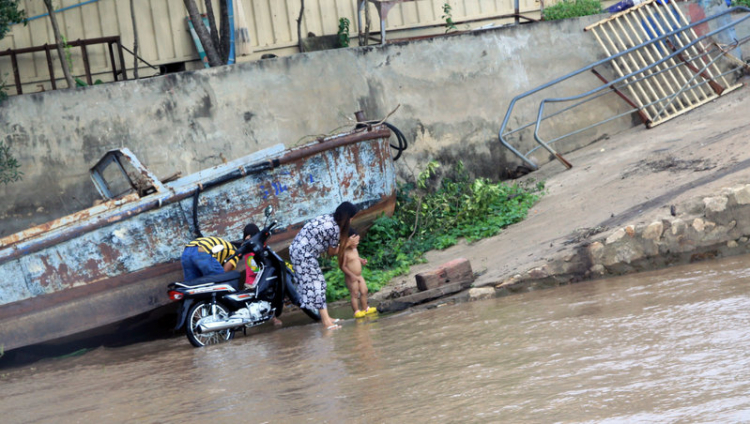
(232, 278)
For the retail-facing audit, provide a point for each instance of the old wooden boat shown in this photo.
(113, 261)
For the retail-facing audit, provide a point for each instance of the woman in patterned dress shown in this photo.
(322, 234)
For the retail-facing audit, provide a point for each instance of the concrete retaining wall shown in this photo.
(453, 93)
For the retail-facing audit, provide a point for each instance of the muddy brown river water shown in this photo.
(666, 346)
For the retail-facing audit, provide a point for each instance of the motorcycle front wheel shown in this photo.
(205, 310)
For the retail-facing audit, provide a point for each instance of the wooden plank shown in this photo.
(147, 33)
(92, 28)
(262, 20)
(401, 303)
(292, 12)
(409, 13)
(329, 24)
(280, 26)
(457, 270)
(468, 8)
(35, 33)
(249, 6)
(162, 31)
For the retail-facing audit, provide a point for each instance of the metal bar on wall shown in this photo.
(122, 60)
(112, 60)
(86, 65)
(16, 76)
(50, 67)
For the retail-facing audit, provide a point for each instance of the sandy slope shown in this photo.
(633, 177)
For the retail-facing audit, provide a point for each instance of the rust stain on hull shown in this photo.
(114, 260)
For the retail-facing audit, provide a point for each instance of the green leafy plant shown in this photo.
(572, 9)
(8, 165)
(745, 3)
(9, 14)
(82, 83)
(448, 17)
(343, 32)
(433, 218)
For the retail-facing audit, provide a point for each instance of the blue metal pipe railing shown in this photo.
(62, 9)
(540, 115)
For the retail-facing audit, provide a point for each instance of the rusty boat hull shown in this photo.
(113, 261)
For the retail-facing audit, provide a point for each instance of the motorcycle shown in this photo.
(214, 307)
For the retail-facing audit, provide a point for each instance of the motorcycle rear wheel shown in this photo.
(202, 310)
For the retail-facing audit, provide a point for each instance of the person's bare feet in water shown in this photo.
(334, 324)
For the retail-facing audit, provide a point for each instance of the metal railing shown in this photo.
(49, 48)
(651, 70)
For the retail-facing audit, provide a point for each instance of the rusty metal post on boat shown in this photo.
(360, 117)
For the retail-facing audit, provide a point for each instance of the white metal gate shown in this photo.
(677, 85)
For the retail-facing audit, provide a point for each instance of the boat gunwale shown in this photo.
(41, 240)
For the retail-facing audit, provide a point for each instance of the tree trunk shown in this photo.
(135, 40)
(212, 28)
(299, 27)
(59, 42)
(224, 35)
(213, 56)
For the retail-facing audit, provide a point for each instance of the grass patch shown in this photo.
(572, 9)
(427, 219)
(745, 3)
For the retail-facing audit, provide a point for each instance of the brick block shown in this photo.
(455, 271)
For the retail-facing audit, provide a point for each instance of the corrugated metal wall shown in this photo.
(164, 37)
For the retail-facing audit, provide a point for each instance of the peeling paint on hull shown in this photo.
(113, 261)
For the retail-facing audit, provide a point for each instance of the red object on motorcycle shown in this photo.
(175, 295)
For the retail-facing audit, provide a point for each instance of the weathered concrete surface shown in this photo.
(453, 93)
(612, 213)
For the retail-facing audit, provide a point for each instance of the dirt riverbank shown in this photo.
(638, 200)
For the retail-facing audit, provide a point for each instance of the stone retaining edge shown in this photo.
(703, 228)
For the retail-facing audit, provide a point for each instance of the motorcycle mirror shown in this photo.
(269, 211)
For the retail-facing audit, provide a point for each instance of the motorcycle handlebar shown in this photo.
(272, 225)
